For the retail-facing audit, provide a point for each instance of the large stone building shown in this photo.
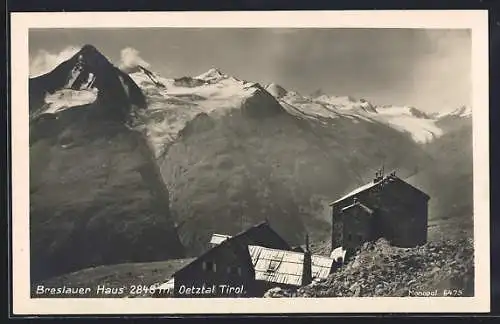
(387, 207)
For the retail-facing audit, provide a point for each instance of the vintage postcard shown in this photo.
(250, 162)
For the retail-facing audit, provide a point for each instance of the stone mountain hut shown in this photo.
(387, 207)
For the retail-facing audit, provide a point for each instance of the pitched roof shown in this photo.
(370, 185)
(356, 191)
(256, 235)
(285, 267)
(253, 235)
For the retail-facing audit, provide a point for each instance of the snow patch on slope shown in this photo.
(171, 107)
(462, 112)
(421, 130)
(401, 111)
(409, 120)
(276, 90)
(68, 98)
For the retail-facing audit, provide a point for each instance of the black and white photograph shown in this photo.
(252, 162)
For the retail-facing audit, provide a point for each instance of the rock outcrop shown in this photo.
(440, 269)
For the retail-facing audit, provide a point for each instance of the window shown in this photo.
(209, 266)
(274, 265)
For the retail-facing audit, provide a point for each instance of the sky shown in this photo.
(429, 69)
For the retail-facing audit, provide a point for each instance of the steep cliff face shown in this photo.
(96, 194)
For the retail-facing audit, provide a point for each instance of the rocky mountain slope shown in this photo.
(215, 154)
(436, 269)
(238, 154)
(96, 196)
(450, 181)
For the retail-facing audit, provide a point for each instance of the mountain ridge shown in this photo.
(421, 126)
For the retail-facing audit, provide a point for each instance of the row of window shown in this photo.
(212, 267)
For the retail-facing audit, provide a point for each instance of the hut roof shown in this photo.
(285, 267)
(356, 191)
(387, 179)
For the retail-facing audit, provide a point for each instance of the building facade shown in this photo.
(358, 225)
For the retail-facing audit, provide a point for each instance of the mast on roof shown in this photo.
(383, 167)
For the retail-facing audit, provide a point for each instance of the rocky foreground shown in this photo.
(442, 268)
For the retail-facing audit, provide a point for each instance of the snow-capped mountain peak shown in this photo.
(213, 74)
(215, 92)
(86, 78)
(179, 100)
(346, 103)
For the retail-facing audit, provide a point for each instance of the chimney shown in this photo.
(307, 267)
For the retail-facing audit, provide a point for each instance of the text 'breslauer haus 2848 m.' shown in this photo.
(258, 259)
